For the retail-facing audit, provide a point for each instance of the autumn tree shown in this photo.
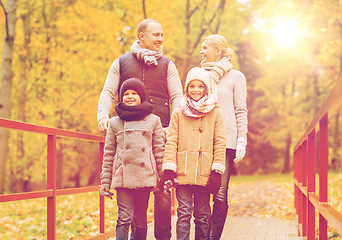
(6, 81)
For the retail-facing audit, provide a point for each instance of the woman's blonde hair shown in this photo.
(220, 42)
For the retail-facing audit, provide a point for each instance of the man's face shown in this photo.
(152, 38)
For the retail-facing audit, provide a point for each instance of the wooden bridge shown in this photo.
(307, 201)
(248, 228)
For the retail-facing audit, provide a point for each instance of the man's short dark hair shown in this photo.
(142, 26)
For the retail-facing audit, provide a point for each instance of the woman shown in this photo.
(230, 86)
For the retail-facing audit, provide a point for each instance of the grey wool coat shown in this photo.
(133, 153)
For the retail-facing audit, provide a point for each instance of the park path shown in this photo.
(259, 210)
(262, 198)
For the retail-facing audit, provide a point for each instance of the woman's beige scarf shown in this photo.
(150, 57)
(216, 71)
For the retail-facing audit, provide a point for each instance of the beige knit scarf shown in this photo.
(149, 56)
(197, 109)
(216, 71)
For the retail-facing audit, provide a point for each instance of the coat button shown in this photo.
(143, 133)
(143, 149)
(200, 129)
(127, 147)
(142, 164)
(126, 162)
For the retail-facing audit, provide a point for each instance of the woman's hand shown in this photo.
(240, 150)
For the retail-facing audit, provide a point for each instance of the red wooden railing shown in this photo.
(306, 199)
(51, 192)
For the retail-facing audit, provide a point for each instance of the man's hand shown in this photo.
(103, 125)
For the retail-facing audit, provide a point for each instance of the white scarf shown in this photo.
(149, 56)
(216, 71)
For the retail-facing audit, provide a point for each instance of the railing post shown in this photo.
(102, 200)
(295, 160)
(304, 179)
(301, 195)
(51, 185)
(323, 173)
(311, 184)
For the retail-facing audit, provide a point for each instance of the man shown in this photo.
(159, 74)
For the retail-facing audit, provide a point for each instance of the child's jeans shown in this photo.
(132, 203)
(193, 199)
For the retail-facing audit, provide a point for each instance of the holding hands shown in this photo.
(167, 180)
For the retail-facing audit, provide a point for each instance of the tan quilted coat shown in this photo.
(195, 146)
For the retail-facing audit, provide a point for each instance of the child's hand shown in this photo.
(214, 182)
(168, 185)
(104, 191)
(168, 175)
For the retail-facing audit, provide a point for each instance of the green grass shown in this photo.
(77, 217)
(273, 177)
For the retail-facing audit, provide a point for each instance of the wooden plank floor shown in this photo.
(248, 228)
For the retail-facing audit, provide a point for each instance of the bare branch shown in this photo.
(206, 25)
(144, 8)
(3, 7)
(196, 8)
(221, 9)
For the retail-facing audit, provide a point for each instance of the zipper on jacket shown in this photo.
(199, 147)
(143, 74)
(123, 154)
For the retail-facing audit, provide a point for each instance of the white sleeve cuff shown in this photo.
(218, 167)
(169, 166)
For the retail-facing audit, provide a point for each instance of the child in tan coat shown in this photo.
(195, 153)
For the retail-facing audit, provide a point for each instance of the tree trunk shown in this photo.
(335, 160)
(286, 167)
(205, 25)
(6, 84)
(144, 8)
(22, 100)
(59, 166)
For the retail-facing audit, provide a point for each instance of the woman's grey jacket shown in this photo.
(133, 153)
(232, 95)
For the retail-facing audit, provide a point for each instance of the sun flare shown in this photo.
(286, 32)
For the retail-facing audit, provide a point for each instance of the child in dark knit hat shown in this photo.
(132, 159)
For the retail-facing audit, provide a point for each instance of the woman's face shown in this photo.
(210, 53)
(196, 89)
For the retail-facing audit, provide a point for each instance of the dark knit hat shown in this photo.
(133, 84)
